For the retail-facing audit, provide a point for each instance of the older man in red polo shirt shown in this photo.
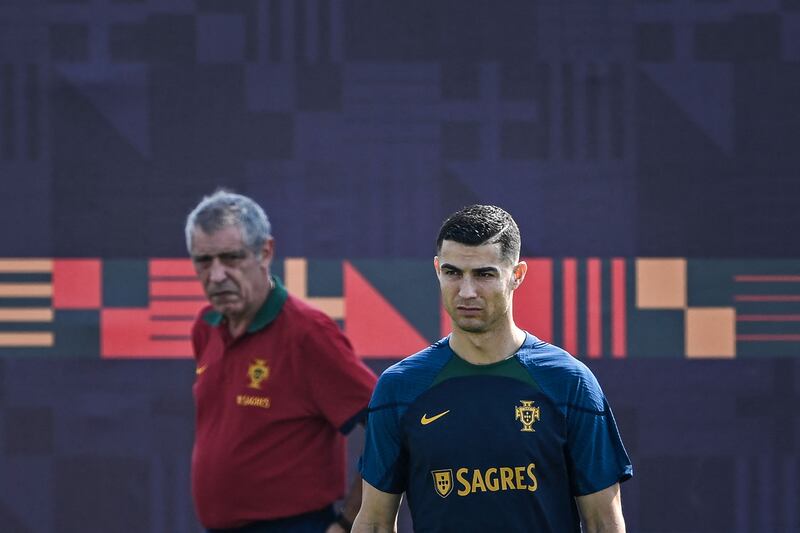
(278, 385)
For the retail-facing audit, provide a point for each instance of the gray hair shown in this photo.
(224, 209)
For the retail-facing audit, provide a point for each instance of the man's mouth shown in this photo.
(217, 294)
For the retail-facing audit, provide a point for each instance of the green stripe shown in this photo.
(771, 328)
(580, 318)
(25, 327)
(508, 368)
(26, 302)
(605, 306)
(25, 277)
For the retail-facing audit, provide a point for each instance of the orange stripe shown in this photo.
(26, 339)
(594, 309)
(26, 265)
(26, 314)
(176, 288)
(29, 290)
(295, 270)
(331, 306)
(171, 267)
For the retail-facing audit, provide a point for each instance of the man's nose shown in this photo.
(217, 273)
(467, 288)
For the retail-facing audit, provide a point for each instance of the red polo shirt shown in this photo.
(269, 409)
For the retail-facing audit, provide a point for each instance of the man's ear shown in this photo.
(436, 264)
(267, 252)
(520, 270)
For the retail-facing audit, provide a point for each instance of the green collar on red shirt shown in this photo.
(268, 312)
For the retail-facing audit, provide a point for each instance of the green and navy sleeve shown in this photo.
(384, 464)
(595, 455)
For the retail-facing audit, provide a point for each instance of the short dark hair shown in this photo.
(482, 224)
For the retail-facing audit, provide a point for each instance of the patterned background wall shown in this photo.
(647, 149)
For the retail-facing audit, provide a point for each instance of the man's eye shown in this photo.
(231, 258)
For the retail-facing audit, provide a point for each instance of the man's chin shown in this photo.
(471, 326)
(227, 308)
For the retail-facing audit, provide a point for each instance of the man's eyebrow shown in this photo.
(479, 270)
(228, 253)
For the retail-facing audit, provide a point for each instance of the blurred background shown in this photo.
(648, 150)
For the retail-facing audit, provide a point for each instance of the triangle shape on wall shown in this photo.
(372, 324)
(120, 95)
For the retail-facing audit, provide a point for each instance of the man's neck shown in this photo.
(487, 347)
(237, 325)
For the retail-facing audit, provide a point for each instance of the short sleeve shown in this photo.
(596, 456)
(341, 384)
(384, 462)
(199, 335)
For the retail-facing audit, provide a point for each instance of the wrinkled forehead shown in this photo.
(226, 239)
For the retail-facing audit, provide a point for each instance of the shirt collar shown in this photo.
(264, 316)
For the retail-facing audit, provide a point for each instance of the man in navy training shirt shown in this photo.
(490, 428)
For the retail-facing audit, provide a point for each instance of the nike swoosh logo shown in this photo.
(200, 369)
(425, 420)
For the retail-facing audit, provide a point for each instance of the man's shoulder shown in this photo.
(203, 328)
(541, 355)
(304, 315)
(311, 330)
(559, 374)
(204, 311)
(416, 371)
(204, 319)
(404, 381)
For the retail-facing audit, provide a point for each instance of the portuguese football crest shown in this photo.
(257, 372)
(443, 482)
(527, 414)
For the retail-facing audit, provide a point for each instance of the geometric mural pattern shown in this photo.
(594, 307)
(647, 149)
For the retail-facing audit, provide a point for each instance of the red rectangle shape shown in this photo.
(170, 327)
(171, 267)
(77, 284)
(176, 288)
(533, 300)
(619, 333)
(177, 308)
(569, 274)
(126, 333)
(594, 309)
